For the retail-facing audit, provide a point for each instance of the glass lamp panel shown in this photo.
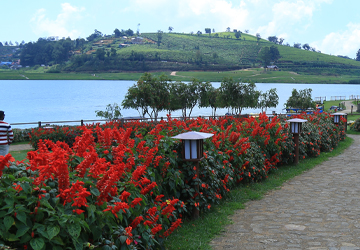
(193, 149)
(187, 149)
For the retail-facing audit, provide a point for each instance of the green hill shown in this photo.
(183, 52)
(216, 52)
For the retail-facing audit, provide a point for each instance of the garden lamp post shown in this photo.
(295, 128)
(337, 119)
(271, 117)
(193, 150)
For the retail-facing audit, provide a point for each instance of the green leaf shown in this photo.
(106, 247)
(96, 231)
(74, 230)
(41, 230)
(2, 213)
(94, 191)
(9, 201)
(123, 239)
(25, 238)
(46, 204)
(37, 243)
(12, 237)
(21, 216)
(52, 231)
(57, 248)
(78, 243)
(84, 225)
(91, 209)
(22, 229)
(8, 222)
(26, 187)
(58, 240)
(124, 247)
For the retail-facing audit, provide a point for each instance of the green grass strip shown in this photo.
(197, 234)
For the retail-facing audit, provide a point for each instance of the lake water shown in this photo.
(30, 101)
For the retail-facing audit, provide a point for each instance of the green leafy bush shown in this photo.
(21, 135)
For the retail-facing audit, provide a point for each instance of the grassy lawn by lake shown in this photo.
(254, 74)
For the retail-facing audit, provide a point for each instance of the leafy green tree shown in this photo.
(159, 37)
(192, 92)
(198, 57)
(94, 35)
(306, 46)
(215, 56)
(237, 96)
(178, 97)
(58, 53)
(273, 39)
(228, 29)
(150, 95)
(207, 30)
(300, 99)
(213, 99)
(100, 54)
(269, 99)
(113, 52)
(258, 37)
(265, 56)
(274, 53)
(297, 45)
(238, 34)
(358, 55)
(129, 32)
(170, 29)
(117, 32)
(136, 98)
(204, 94)
(112, 112)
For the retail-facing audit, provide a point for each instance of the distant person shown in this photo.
(6, 135)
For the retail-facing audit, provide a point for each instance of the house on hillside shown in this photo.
(123, 45)
(137, 40)
(272, 67)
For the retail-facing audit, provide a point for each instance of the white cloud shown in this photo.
(289, 18)
(218, 14)
(43, 26)
(341, 43)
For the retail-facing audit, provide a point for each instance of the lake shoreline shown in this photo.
(254, 75)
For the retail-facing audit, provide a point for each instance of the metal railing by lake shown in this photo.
(338, 98)
(125, 119)
(45, 124)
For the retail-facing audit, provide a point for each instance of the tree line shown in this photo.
(151, 95)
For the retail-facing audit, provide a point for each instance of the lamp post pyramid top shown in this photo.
(193, 135)
(297, 120)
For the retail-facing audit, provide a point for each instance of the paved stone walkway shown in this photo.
(20, 147)
(317, 210)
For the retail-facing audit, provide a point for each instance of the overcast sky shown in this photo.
(331, 26)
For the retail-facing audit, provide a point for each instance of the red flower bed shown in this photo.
(125, 185)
